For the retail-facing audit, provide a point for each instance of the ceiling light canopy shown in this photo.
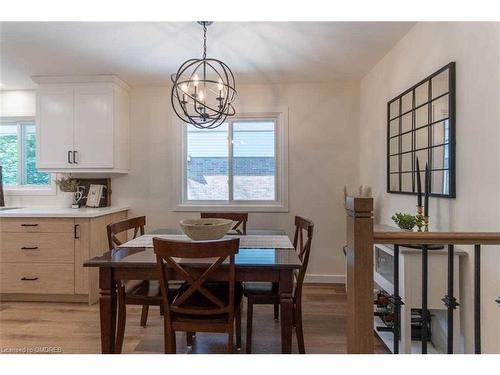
(203, 90)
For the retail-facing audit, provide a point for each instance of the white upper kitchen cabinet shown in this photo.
(55, 107)
(82, 124)
(93, 127)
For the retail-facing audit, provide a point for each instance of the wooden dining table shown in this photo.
(275, 265)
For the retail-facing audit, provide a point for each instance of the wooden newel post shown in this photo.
(359, 275)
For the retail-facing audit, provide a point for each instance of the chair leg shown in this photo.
(166, 337)
(238, 327)
(276, 311)
(122, 318)
(169, 338)
(249, 325)
(230, 340)
(298, 329)
(144, 315)
(189, 339)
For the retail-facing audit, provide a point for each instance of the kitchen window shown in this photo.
(238, 165)
(18, 158)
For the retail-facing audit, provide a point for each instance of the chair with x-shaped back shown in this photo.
(240, 218)
(210, 299)
(268, 293)
(132, 292)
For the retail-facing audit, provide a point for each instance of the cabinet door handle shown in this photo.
(29, 225)
(74, 157)
(69, 158)
(77, 232)
(29, 248)
(29, 278)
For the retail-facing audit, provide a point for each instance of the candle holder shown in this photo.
(420, 221)
(426, 226)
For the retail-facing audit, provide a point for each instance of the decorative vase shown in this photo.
(67, 198)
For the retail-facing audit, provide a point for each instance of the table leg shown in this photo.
(286, 309)
(107, 310)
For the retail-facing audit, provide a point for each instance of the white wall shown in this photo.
(323, 157)
(18, 103)
(476, 49)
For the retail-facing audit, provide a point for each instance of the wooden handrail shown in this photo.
(431, 238)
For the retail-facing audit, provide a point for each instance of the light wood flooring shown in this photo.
(75, 327)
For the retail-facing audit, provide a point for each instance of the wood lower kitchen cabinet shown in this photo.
(41, 257)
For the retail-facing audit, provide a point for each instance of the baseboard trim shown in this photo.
(324, 279)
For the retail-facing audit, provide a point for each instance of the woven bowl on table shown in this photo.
(205, 229)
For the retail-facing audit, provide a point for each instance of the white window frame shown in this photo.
(280, 204)
(20, 189)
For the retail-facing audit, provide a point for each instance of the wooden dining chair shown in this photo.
(240, 218)
(132, 292)
(210, 299)
(268, 293)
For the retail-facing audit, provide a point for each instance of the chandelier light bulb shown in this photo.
(201, 96)
(196, 80)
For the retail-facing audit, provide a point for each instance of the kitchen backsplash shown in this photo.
(42, 199)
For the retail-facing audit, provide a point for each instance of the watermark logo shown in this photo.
(31, 350)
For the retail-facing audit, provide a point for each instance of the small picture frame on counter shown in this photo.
(95, 195)
(84, 185)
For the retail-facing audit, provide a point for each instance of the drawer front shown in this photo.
(37, 224)
(37, 247)
(36, 278)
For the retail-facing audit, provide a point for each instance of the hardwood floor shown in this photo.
(74, 328)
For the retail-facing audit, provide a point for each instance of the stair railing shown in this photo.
(362, 236)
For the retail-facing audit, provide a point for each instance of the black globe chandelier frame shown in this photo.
(202, 115)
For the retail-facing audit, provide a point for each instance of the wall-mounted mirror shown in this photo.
(421, 124)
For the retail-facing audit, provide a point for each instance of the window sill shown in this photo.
(29, 190)
(231, 207)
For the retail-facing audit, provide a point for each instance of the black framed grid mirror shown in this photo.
(421, 124)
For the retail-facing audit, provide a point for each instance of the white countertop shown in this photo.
(61, 212)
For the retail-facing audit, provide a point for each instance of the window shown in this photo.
(18, 155)
(241, 163)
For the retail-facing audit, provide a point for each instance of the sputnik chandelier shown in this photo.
(203, 90)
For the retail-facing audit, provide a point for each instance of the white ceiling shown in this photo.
(147, 53)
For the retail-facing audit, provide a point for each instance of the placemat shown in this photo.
(246, 241)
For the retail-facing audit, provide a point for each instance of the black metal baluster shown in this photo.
(425, 317)
(477, 299)
(396, 302)
(449, 300)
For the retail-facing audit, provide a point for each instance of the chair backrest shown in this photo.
(240, 218)
(196, 274)
(303, 228)
(136, 223)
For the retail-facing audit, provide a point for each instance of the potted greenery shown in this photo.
(68, 187)
(405, 221)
